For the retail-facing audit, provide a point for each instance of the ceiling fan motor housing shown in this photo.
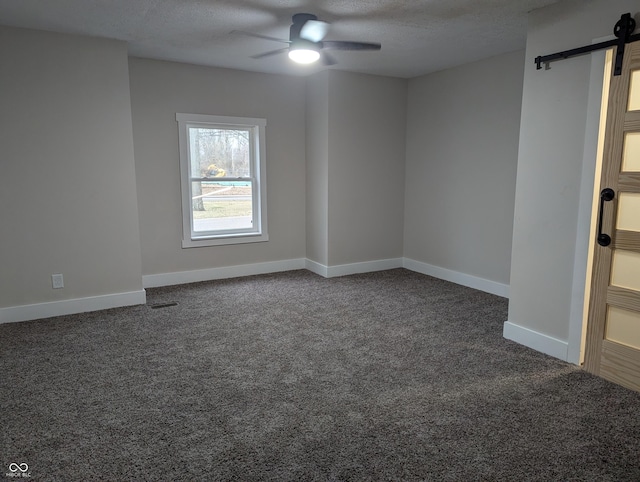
(299, 19)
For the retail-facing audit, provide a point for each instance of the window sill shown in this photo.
(225, 240)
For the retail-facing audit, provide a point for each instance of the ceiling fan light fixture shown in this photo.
(304, 56)
(304, 51)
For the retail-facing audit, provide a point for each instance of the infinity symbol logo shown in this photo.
(13, 467)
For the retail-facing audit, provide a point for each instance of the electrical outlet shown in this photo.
(57, 281)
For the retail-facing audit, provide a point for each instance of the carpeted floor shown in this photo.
(382, 376)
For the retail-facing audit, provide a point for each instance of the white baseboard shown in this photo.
(463, 279)
(65, 307)
(182, 277)
(317, 268)
(70, 307)
(537, 341)
(353, 268)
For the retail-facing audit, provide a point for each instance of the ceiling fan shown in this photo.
(306, 44)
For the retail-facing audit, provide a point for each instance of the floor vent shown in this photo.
(164, 305)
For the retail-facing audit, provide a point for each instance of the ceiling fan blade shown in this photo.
(327, 59)
(271, 52)
(348, 45)
(257, 35)
(314, 30)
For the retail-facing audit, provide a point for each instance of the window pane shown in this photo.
(221, 205)
(216, 152)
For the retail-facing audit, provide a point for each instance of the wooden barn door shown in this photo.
(613, 327)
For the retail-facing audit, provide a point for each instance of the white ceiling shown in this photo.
(417, 36)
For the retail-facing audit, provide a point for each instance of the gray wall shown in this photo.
(337, 147)
(367, 116)
(335, 163)
(462, 147)
(158, 91)
(317, 196)
(550, 163)
(67, 178)
(355, 167)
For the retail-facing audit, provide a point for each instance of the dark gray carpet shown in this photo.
(382, 376)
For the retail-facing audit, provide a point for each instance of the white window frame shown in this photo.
(257, 233)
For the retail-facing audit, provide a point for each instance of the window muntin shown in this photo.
(222, 170)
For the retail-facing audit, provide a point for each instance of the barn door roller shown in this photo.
(622, 30)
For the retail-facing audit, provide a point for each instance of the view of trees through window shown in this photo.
(221, 186)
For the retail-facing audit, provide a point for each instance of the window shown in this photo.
(222, 169)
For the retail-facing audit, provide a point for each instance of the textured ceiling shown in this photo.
(417, 36)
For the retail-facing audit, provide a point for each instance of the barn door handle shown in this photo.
(606, 194)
